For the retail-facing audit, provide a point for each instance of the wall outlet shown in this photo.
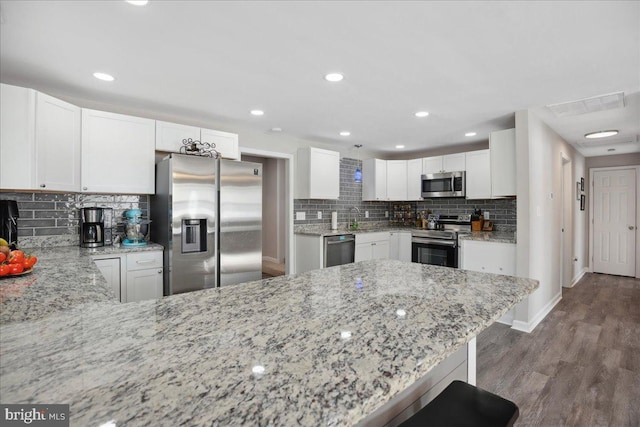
(301, 216)
(386, 214)
(486, 215)
(319, 214)
(366, 214)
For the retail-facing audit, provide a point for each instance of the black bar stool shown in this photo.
(463, 405)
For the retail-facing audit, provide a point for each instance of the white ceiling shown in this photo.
(470, 64)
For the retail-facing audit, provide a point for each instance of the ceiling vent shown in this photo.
(588, 105)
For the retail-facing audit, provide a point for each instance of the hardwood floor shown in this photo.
(580, 366)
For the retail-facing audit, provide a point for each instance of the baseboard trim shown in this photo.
(507, 319)
(528, 327)
(577, 278)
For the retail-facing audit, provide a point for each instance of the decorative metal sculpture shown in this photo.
(197, 148)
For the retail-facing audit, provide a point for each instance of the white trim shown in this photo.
(290, 262)
(507, 319)
(269, 259)
(578, 277)
(471, 361)
(528, 327)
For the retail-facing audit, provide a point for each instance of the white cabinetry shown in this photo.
(144, 276)
(374, 179)
(110, 269)
(478, 177)
(502, 145)
(400, 245)
(226, 143)
(414, 179)
(318, 174)
(118, 153)
(39, 141)
(169, 136)
(446, 163)
(372, 246)
(489, 257)
(396, 179)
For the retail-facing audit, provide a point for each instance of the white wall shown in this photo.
(539, 152)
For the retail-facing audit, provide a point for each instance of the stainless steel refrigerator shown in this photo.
(207, 213)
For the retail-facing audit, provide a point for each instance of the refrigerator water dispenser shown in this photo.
(194, 235)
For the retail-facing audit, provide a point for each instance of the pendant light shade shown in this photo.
(357, 175)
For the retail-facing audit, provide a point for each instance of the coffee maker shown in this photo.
(9, 222)
(91, 227)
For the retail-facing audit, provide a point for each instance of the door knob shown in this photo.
(631, 227)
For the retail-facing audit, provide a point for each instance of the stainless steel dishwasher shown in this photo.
(339, 249)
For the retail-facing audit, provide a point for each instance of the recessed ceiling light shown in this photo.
(104, 76)
(257, 112)
(470, 134)
(334, 77)
(399, 147)
(138, 2)
(345, 133)
(422, 114)
(276, 129)
(601, 134)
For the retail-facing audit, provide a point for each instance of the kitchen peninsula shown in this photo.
(327, 347)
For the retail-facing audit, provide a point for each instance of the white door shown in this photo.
(614, 222)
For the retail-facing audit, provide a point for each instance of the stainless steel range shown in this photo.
(440, 246)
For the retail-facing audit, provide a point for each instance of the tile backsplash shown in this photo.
(502, 211)
(54, 217)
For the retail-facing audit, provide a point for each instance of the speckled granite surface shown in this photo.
(64, 277)
(490, 236)
(324, 230)
(332, 348)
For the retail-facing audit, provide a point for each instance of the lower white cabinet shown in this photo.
(400, 245)
(372, 246)
(488, 257)
(110, 269)
(134, 276)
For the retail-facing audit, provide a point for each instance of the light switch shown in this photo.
(386, 214)
(366, 214)
(301, 216)
(319, 214)
(486, 215)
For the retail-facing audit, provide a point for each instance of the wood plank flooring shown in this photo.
(580, 366)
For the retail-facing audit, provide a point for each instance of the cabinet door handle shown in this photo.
(145, 261)
(159, 271)
(84, 188)
(43, 185)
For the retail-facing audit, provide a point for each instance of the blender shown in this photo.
(135, 228)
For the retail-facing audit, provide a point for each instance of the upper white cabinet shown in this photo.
(226, 143)
(169, 137)
(414, 179)
(502, 145)
(17, 138)
(446, 163)
(39, 141)
(396, 179)
(374, 179)
(318, 174)
(57, 144)
(478, 177)
(118, 153)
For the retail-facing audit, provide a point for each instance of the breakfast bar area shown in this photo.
(345, 345)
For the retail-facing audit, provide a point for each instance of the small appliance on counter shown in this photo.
(91, 227)
(9, 222)
(136, 229)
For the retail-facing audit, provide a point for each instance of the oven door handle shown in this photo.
(451, 243)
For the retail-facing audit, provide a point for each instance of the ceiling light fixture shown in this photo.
(104, 77)
(138, 2)
(601, 134)
(276, 129)
(422, 114)
(345, 133)
(470, 134)
(334, 77)
(257, 113)
(399, 147)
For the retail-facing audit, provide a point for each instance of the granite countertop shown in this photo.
(490, 236)
(64, 277)
(315, 230)
(332, 348)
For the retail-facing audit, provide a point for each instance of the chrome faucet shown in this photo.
(356, 217)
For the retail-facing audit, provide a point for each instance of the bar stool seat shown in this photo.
(463, 405)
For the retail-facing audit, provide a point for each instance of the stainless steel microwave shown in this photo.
(446, 184)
